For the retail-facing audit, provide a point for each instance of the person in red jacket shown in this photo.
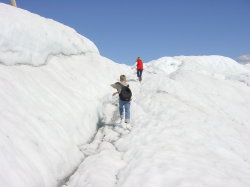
(139, 68)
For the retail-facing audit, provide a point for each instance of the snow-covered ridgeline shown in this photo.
(27, 38)
(215, 66)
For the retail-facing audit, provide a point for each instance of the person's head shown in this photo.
(138, 58)
(123, 78)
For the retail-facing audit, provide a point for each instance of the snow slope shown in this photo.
(190, 116)
(47, 111)
(193, 128)
(190, 128)
(27, 38)
(247, 66)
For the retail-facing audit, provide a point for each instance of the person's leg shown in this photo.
(127, 112)
(141, 74)
(121, 103)
(138, 73)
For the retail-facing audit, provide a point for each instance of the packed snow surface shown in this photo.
(190, 123)
(190, 127)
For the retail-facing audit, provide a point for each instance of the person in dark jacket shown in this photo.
(122, 103)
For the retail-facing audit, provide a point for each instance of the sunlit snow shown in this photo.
(190, 122)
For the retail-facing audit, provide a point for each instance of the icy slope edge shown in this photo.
(27, 38)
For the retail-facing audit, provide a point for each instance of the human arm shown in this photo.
(114, 93)
(115, 86)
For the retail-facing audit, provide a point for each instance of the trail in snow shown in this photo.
(102, 150)
(101, 154)
(178, 134)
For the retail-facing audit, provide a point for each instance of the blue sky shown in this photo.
(125, 29)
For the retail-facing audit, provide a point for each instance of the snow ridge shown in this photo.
(32, 39)
(215, 66)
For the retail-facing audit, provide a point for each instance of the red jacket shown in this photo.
(139, 64)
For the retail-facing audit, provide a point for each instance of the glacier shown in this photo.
(190, 115)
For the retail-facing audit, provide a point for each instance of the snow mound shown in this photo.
(165, 64)
(27, 38)
(214, 66)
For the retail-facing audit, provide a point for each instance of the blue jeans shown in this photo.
(126, 105)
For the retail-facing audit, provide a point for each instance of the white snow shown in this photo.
(190, 128)
(27, 38)
(190, 116)
(47, 111)
(243, 59)
(247, 66)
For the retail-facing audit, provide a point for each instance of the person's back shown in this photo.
(124, 98)
(125, 93)
(139, 68)
(139, 64)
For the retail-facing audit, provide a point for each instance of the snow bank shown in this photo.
(47, 111)
(27, 38)
(190, 128)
